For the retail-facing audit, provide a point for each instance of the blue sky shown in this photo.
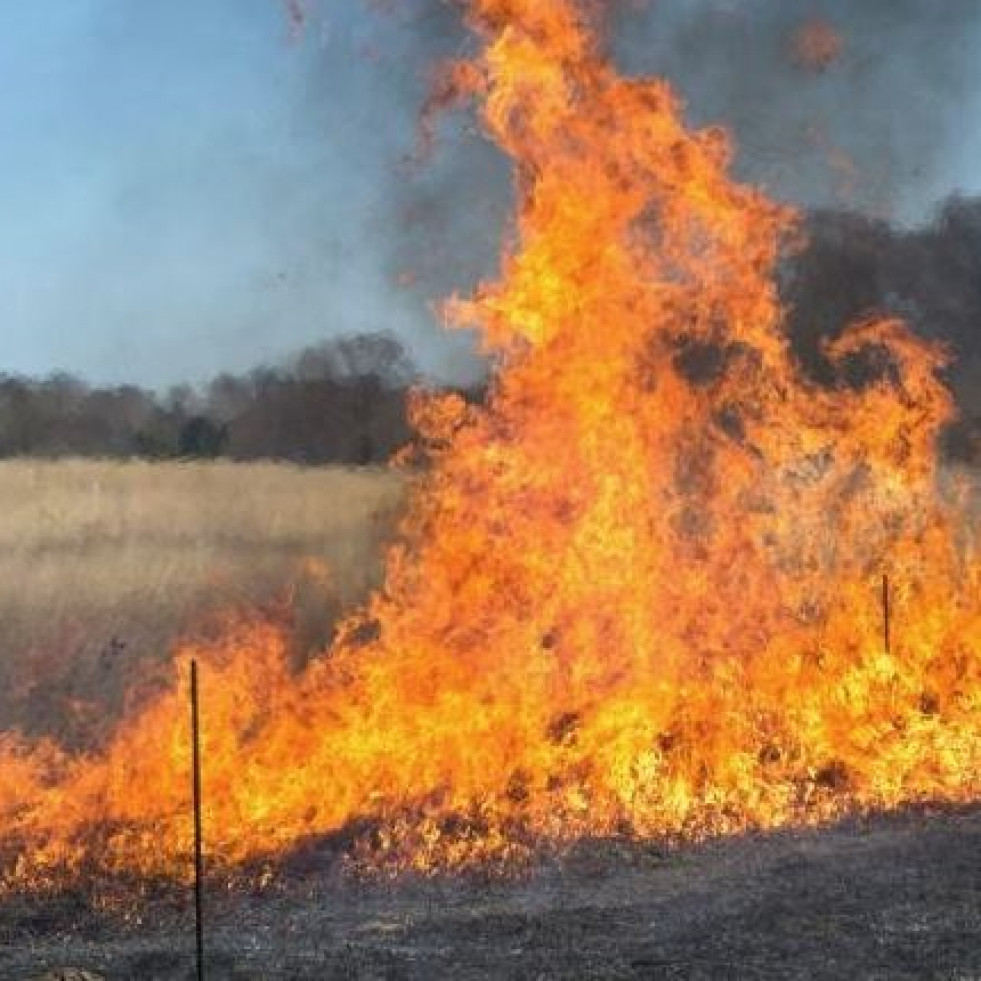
(184, 188)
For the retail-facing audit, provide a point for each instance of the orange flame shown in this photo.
(638, 590)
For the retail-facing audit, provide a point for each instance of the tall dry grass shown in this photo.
(104, 564)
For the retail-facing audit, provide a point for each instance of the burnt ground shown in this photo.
(890, 897)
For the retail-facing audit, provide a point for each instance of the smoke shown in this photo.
(190, 189)
(871, 116)
(445, 197)
(854, 111)
(855, 266)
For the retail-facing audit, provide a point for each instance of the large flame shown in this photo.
(638, 591)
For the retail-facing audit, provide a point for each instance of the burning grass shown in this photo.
(637, 590)
(103, 564)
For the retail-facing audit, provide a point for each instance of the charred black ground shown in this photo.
(892, 897)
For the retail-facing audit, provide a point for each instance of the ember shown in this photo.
(816, 46)
(633, 597)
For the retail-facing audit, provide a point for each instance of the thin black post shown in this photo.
(885, 613)
(198, 840)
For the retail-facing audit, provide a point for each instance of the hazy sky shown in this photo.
(185, 188)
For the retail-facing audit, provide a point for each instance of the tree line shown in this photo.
(342, 401)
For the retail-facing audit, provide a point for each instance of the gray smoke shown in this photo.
(873, 141)
(878, 147)
(447, 199)
(187, 190)
(885, 128)
(856, 266)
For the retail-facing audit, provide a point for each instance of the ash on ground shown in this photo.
(891, 897)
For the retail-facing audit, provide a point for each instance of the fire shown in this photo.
(637, 592)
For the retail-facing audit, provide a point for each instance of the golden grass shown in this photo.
(103, 564)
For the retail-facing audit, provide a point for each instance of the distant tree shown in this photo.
(159, 435)
(19, 420)
(342, 401)
(202, 438)
(228, 396)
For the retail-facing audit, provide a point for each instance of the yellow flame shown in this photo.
(638, 590)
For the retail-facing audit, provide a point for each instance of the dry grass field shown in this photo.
(104, 564)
